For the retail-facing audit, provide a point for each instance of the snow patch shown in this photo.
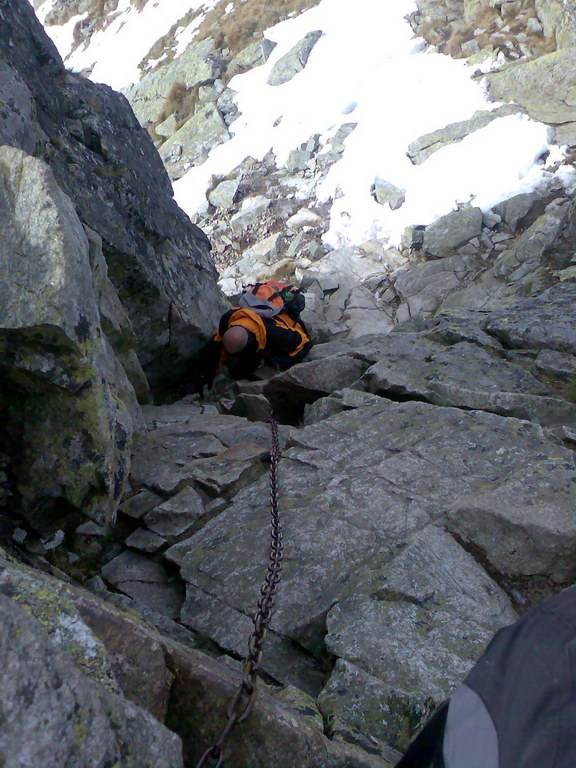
(368, 68)
(115, 52)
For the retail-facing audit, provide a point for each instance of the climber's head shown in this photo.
(235, 339)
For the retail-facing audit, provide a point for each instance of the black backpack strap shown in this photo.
(301, 323)
(426, 749)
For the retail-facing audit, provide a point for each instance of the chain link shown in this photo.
(243, 701)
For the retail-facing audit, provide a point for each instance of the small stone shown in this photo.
(92, 530)
(251, 211)
(491, 219)
(223, 194)
(534, 26)
(137, 506)
(147, 541)
(470, 48)
(253, 407)
(177, 515)
(19, 535)
(328, 282)
(51, 542)
(387, 193)
(167, 128)
(304, 218)
(298, 160)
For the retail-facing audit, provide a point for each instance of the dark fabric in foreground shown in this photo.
(526, 681)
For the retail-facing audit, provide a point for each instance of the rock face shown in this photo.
(517, 252)
(544, 87)
(84, 722)
(105, 283)
(105, 162)
(465, 375)
(102, 682)
(73, 398)
(422, 611)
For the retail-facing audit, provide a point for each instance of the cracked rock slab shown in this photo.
(521, 262)
(163, 460)
(290, 391)
(145, 580)
(526, 524)
(365, 709)
(453, 326)
(185, 446)
(544, 86)
(225, 474)
(425, 287)
(545, 322)
(354, 489)
(177, 515)
(411, 632)
(452, 231)
(466, 376)
(274, 735)
(283, 660)
(341, 400)
(421, 149)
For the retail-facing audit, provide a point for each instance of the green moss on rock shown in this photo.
(61, 621)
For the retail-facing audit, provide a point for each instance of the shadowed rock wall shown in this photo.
(104, 160)
(106, 285)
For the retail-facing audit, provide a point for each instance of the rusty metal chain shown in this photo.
(241, 705)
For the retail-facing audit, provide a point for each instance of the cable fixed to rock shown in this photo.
(241, 705)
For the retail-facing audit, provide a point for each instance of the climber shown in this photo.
(265, 326)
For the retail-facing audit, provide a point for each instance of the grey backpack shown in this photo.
(272, 297)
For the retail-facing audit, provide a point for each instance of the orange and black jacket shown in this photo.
(280, 340)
